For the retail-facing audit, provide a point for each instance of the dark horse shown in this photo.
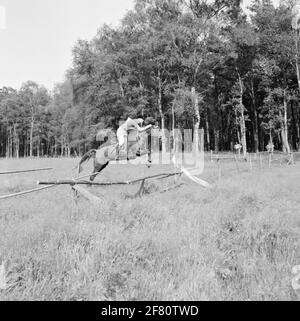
(107, 153)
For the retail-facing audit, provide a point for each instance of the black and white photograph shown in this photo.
(149, 152)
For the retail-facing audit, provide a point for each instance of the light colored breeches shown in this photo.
(122, 137)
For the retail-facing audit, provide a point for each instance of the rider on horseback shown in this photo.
(122, 133)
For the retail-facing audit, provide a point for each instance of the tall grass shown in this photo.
(237, 241)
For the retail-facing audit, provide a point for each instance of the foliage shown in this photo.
(193, 62)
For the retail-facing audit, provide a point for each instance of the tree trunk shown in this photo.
(162, 117)
(195, 101)
(271, 137)
(68, 150)
(62, 148)
(7, 144)
(16, 142)
(255, 124)
(295, 135)
(173, 120)
(298, 137)
(298, 79)
(11, 151)
(18, 147)
(297, 58)
(216, 135)
(284, 127)
(55, 147)
(173, 129)
(207, 132)
(242, 117)
(31, 137)
(38, 147)
(25, 145)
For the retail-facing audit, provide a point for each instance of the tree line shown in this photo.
(188, 63)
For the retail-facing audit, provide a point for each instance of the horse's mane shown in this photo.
(149, 121)
(106, 144)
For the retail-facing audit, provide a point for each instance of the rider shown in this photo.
(122, 132)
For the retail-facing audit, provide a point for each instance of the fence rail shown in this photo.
(25, 171)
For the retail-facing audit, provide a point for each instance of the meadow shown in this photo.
(238, 240)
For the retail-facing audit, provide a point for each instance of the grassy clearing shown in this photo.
(237, 241)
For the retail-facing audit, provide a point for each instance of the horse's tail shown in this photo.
(85, 158)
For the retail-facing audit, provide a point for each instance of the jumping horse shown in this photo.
(107, 153)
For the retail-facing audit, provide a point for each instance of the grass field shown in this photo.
(238, 240)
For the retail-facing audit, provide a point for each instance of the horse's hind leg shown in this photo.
(97, 169)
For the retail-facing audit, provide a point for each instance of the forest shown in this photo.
(188, 63)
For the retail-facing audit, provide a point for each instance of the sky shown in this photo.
(37, 36)
(36, 43)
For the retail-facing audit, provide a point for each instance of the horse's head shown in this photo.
(150, 121)
(142, 140)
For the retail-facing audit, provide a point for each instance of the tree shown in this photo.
(33, 97)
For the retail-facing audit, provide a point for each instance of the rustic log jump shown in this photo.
(25, 192)
(75, 182)
(26, 171)
(86, 194)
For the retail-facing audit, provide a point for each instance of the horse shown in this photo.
(107, 153)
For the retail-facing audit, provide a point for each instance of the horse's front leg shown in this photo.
(149, 150)
(149, 161)
(97, 169)
(131, 151)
